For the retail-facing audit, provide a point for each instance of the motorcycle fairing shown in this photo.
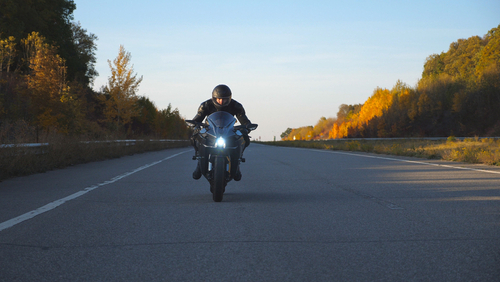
(220, 124)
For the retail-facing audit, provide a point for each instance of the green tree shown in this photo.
(52, 19)
(434, 65)
(85, 48)
(403, 111)
(489, 56)
(169, 124)
(286, 133)
(144, 122)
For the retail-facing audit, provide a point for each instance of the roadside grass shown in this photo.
(19, 160)
(470, 150)
(62, 151)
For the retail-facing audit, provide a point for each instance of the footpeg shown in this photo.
(194, 158)
(243, 160)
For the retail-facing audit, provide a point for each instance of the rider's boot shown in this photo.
(237, 175)
(197, 172)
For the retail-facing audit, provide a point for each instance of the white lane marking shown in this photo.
(9, 223)
(399, 160)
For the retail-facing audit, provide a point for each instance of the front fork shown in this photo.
(227, 169)
(207, 163)
(206, 159)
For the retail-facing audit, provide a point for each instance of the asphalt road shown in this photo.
(296, 215)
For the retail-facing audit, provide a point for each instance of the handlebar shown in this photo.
(194, 123)
(249, 127)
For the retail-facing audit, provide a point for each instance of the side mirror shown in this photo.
(191, 123)
(252, 126)
(194, 123)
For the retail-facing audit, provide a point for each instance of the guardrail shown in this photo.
(23, 145)
(27, 158)
(126, 143)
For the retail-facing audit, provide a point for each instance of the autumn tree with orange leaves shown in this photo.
(120, 94)
(49, 96)
(458, 94)
(46, 74)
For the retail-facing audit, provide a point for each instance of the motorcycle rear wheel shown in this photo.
(219, 179)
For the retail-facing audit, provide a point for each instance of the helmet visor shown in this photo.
(222, 101)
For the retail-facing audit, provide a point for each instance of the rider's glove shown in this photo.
(244, 131)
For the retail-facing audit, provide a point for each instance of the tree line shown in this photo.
(457, 95)
(47, 68)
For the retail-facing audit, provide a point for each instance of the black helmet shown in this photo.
(221, 92)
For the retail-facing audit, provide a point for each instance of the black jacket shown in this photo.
(236, 109)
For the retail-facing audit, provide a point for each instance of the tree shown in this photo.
(434, 65)
(334, 132)
(322, 128)
(286, 133)
(490, 54)
(144, 122)
(52, 19)
(52, 104)
(169, 124)
(85, 48)
(346, 112)
(7, 53)
(120, 93)
(459, 92)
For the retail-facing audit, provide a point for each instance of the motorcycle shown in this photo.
(220, 147)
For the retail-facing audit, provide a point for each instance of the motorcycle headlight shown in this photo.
(220, 143)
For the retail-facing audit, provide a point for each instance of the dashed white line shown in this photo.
(9, 223)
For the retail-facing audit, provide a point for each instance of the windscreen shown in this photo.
(221, 119)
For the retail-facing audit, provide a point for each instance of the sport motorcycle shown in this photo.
(220, 146)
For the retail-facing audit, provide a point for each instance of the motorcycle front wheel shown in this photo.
(219, 179)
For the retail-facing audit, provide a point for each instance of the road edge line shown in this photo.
(50, 206)
(399, 160)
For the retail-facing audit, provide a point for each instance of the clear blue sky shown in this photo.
(288, 62)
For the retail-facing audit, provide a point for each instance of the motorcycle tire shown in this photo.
(219, 179)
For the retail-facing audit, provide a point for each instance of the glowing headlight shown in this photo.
(220, 143)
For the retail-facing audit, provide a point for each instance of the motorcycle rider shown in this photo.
(221, 101)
